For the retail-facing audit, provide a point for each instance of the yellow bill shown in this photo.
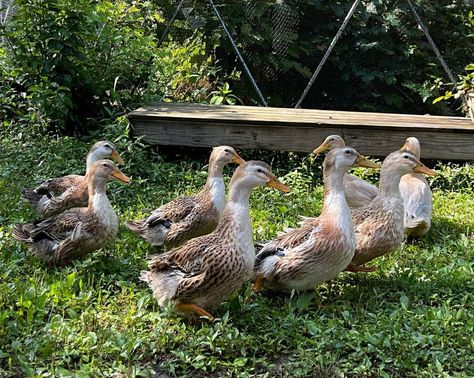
(322, 148)
(116, 156)
(362, 161)
(421, 168)
(275, 183)
(119, 176)
(237, 159)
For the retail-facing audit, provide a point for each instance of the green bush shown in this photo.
(70, 64)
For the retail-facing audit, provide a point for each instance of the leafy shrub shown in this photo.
(69, 64)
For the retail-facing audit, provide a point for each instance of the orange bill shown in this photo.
(362, 161)
(119, 176)
(237, 159)
(322, 148)
(115, 156)
(275, 183)
(421, 168)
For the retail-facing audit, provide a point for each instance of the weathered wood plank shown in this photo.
(376, 134)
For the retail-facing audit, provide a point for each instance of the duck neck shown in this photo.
(389, 182)
(98, 200)
(215, 185)
(335, 205)
(237, 212)
(92, 157)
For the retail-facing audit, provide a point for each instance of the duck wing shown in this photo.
(288, 240)
(173, 211)
(74, 196)
(192, 260)
(57, 186)
(358, 192)
(61, 226)
(201, 220)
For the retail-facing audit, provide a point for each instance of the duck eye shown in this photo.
(105, 165)
(405, 157)
(260, 170)
(348, 152)
(227, 150)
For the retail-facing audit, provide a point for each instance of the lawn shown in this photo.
(413, 317)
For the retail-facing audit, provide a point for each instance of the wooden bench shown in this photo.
(301, 130)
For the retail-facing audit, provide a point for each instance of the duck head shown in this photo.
(257, 173)
(104, 170)
(104, 150)
(331, 142)
(225, 155)
(412, 144)
(347, 157)
(405, 162)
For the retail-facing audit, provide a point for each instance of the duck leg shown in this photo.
(258, 284)
(191, 307)
(359, 268)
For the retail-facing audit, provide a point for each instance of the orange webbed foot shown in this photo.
(258, 284)
(191, 307)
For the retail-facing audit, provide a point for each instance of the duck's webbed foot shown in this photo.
(258, 284)
(191, 307)
(360, 268)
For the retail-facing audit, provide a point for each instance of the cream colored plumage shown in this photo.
(379, 226)
(417, 196)
(357, 191)
(206, 270)
(53, 196)
(188, 217)
(74, 233)
(322, 247)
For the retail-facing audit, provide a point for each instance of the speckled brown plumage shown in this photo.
(56, 195)
(379, 226)
(188, 217)
(72, 234)
(206, 270)
(321, 247)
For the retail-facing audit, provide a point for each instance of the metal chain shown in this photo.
(328, 52)
(239, 56)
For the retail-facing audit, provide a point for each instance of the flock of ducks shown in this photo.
(209, 239)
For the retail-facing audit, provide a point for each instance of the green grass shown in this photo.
(414, 317)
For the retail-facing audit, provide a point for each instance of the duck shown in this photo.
(417, 196)
(358, 192)
(55, 195)
(379, 226)
(64, 237)
(207, 270)
(188, 217)
(321, 247)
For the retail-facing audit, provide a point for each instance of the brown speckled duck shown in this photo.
(358, 192)
(74, 233)
(417, 196)
(188, 217)
(207, 270)
(53, 196)
(379, 226)
(322, 247)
